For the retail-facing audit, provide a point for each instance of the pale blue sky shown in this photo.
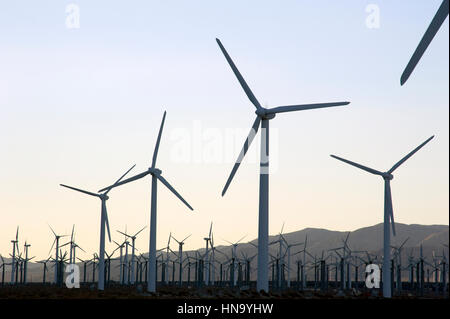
(79, 106)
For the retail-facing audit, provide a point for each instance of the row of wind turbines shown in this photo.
(340, 268)
(262, 120)
(263, 116)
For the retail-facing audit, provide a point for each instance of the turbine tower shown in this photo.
(388, 212)
(103, 220)
(263, 116)
(434, 27)
(156, 175)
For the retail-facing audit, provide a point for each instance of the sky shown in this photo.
(81, 100)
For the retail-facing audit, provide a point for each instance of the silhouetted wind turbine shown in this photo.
(180, 257)
(434, 27)
(133, 250)
(103, 220)
(57, 237)
(206, 255)
(263, 116)
(156, 175)
(388, 211)
(13, 261)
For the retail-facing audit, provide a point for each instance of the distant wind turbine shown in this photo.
(388, 211)
(156, 175)
(133, 252)
(56, 241)
(13, 261)
(103, 220)
(263, 116)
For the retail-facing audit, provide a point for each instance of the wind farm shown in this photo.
(214, 210)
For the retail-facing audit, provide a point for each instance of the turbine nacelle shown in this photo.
(264, 114)
(387, 176)
(103, 197)
(154, 171)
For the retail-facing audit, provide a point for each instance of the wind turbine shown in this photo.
(103, 220)
(206, 255)
(56, 241)
(120, 247)
(388, 211)
(263, 116)
(180, 256)
(44, 263)
(234, 257)
(156, 175)
(438, 20)
(133, 255)
(25, 261)
(3, 267)
(13, 261)
(288, 253)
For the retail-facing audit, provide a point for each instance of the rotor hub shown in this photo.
(388, 177)
(155, 171)
(263, 114)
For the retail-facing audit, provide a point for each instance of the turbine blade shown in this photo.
(434, 27)
(241, 80)
(121, 177)
(210, 230)
(303, 107)
(17, 233)
(175, 240)
(166, 183)
(186, 238)
(140, 231)
(128, 180)
(241, 239)
(52, 230)
(404, 159)
(52, 246)
(248, 142)
(80, 190)
(105, 211)
(390, 207)
(155, 153)
(125, 234)
(367, 169)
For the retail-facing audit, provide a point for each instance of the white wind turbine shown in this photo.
(438, 20)
(156, 175)
(103, 221)
(133, 250)
(388, 212)
(263, 116)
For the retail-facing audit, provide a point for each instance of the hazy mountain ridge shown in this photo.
(431, 237)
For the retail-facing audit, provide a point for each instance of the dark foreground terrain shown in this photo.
(138, 292)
